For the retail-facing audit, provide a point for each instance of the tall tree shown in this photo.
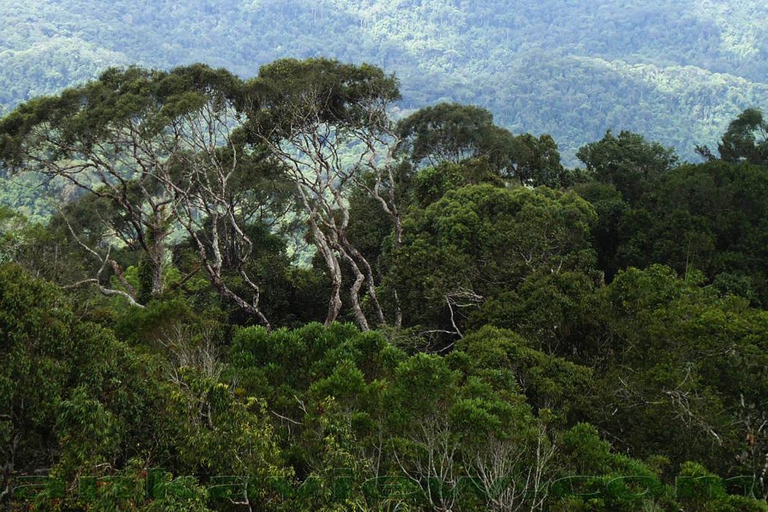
(479, 241)
(328, 123)
(628, 162)
(102, 137)
(451, 132)
(217, 183)
(746, 139)
(536, 161)
(159, 146)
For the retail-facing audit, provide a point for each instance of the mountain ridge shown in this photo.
(676, 71)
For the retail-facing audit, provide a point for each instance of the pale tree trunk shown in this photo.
(210, 250)
(368, 277)
(157, 259)
(355, 260)
(206, 199)
(152, 277)
(334, 269)
(311, 147)
(354, 291)
(380, 161)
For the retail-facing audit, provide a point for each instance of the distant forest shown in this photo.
(676, 71)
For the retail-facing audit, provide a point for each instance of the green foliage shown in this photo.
(67, 382)
(703, 490)
(600, 345)
(548, 382)
(342, 92)
(432, 183)
(607, 233)
(312, 402)
(553, 311)
(537, 162)
(746, 139)
(486, 239)
(686, 369)
(453, 132)
(627, 162)
(709, 217)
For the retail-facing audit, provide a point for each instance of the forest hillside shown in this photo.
(674, 70)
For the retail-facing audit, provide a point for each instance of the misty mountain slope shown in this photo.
(676, 71)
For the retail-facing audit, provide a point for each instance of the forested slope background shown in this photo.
(676, 71)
